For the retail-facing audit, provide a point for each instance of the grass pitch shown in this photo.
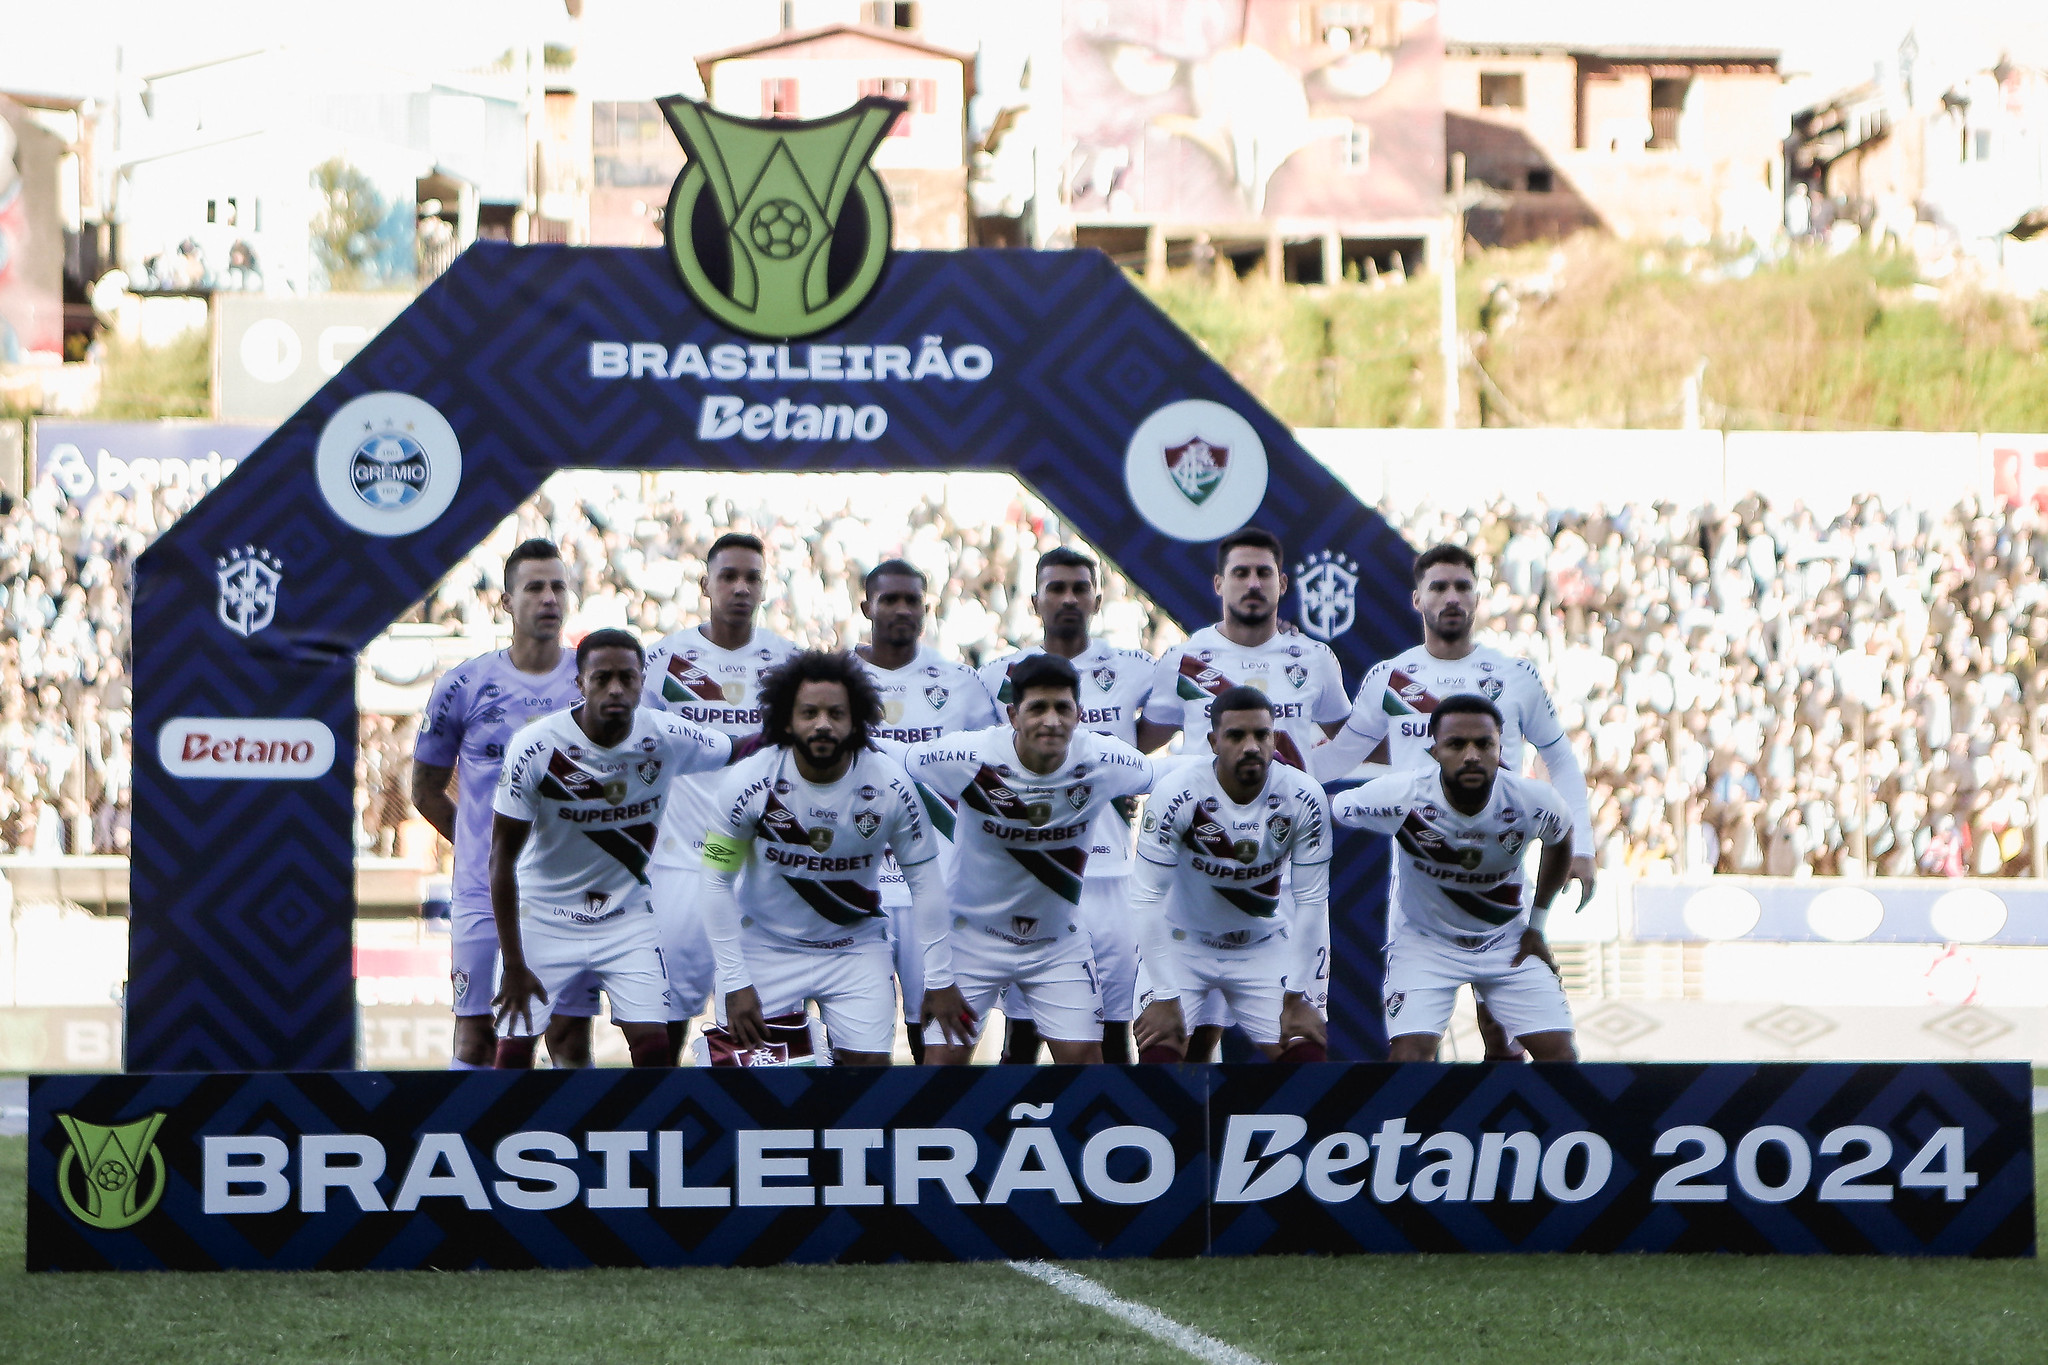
(1528, 1310)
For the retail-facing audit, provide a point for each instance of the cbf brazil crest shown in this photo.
(1328, 583)
(248, 579)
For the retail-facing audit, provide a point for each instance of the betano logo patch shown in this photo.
(778, 228)
(106, 1165)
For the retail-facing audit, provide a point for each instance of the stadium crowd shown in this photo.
(1755, 690)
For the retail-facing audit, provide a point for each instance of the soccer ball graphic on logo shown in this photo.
(779, 229)
(389, 471)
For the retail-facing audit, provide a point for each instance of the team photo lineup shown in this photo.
(1124, 855)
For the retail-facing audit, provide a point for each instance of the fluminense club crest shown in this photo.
(1197, 468)
(779, 228)
(249, 578)
(1329, 594)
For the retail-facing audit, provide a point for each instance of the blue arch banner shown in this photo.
(704, 1166)
(521, 361)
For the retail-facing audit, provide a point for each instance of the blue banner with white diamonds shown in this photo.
(503, 1170)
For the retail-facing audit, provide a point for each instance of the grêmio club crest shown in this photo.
(779, 228)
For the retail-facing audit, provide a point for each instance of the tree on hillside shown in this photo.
(345, 226)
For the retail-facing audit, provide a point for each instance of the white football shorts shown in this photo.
(473, 967)
(1425, 969)
(1106, 915)
(685, 943)
(850, 984)
(620, 954)
(1057, 983)
(1248, 983)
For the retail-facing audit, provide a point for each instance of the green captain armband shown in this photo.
(723, 853)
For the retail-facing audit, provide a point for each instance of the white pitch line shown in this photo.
(1150, 1321)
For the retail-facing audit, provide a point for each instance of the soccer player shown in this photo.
(710, 675)
(1390, 720)
(576, 815)
(1032, 791)
(1114, 684)
(1216, 837)
(923, 697)
(1461, 825)
(474, 710)
(798, 836)
(1248, 648)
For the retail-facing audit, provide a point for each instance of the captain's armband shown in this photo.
(724, 853)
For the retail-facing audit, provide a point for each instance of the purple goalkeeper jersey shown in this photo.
(474, 711)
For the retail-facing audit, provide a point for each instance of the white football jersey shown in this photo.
(1022, 841)
(814, 853)
(1229, 859)
(1300, 676)
(717, 689)
(1458, 873)
(928, 697)
(1395, 701)
(595, 810)
(1114, 685)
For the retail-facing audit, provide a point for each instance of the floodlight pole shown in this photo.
(1447, 289)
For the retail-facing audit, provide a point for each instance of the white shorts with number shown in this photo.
(1106, 915)
(473, 967)
(1425, 969)
(1250, 982)
(685, 943)
(620, 954)
(850, 984)
(1056, 980)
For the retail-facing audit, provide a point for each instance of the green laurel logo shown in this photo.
(110, 1162)
(779, 229)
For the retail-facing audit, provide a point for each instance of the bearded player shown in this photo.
(798, 838)
(923, 697)
(1390, 720)
(1247, 648)
(1031, 793)
(577, 811)
(1461, 826)
(1217, 836)
(475, 709)
(1114, 684)
(710, 675)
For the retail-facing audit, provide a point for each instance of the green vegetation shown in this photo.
(1602, 333)
(1528, 1309)
(140, 382)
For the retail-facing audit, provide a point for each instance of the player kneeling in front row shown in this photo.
(797, 838)
(1030, 793)
(1461, 825)
(577, 812)
(1217, 835)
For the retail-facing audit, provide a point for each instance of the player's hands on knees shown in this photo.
(1534, 945)
(1161, 1024)
(519, 990)
(743, 1018)
(946, 1007)
(1300, 1020)
(1582, 873)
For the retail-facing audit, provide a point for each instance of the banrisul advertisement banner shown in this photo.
(471, 1170)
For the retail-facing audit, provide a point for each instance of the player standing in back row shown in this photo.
(923, 697)
(474, 710)
(710, 675)
(1247, 648)
(1461, 826)
(1390, 720)
(576, 815)
(1114, 684)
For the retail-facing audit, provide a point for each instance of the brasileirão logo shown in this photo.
(111, 1176)
(779, 229)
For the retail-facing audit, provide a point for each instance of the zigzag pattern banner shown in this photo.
(507, 1170)
(536, 359)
